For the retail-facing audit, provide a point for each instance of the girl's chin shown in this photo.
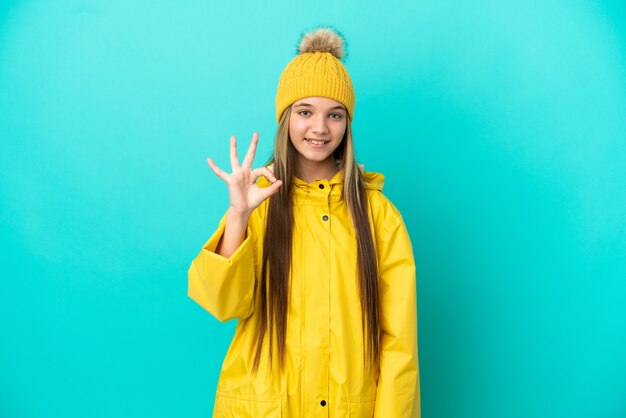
(315, 156)
(315, 160)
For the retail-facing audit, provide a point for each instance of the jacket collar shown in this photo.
(373, 180)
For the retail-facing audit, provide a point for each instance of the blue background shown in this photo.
(500, 127)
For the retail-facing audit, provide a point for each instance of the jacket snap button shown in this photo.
(323, 403)
(321, 186)
(325, 217)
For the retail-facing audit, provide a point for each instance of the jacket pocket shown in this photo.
(230, 405)
(361, 407)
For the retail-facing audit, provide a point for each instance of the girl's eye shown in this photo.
(335, 115)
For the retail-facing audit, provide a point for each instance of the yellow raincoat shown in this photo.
(324, 374)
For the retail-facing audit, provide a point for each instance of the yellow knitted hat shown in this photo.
(316, 71)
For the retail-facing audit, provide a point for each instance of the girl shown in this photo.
(314, 262)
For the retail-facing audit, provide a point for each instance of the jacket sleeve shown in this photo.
(398, 391)
(224, 286)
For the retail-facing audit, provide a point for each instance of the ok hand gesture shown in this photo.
(244, 194)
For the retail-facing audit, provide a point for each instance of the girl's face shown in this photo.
(316, 127)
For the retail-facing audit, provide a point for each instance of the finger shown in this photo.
(268, 191)
(265, 172)
(218, 171)
(247, 161)
(234, 160)
(254, 174)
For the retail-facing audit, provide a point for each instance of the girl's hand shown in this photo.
(245, 195)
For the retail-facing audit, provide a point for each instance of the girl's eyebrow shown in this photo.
(310, 105)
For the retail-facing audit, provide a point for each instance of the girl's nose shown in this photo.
(320, 126)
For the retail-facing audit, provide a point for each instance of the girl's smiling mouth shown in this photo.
(315, 143)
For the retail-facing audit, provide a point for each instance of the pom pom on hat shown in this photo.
(322, 40)
(316, 70)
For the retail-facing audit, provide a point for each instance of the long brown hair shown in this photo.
(277, 246)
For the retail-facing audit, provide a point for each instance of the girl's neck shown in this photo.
(309, 171)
